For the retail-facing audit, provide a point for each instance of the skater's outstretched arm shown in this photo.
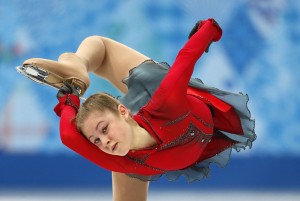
(175, 84)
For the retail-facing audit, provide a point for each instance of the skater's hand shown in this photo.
(195, 29)
(67, 88)
(67, 95)
(200, 23)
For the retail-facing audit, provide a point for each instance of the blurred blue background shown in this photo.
(259, 54)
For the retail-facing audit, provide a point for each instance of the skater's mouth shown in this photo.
(115, 147)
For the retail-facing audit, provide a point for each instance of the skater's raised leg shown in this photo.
(105, 57)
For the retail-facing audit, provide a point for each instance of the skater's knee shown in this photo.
(94, 39)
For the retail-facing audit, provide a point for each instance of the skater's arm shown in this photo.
(174, 85)
(127, 188)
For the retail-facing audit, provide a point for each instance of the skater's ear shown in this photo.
(123, 111)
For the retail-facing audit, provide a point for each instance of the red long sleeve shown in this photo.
(173, 88)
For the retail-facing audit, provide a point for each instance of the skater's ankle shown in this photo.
(85, 62)
(74, 59)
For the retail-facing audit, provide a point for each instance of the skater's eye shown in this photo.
(104, 130)
(98, 125)
(97, 140)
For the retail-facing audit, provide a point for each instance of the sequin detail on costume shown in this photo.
(177, 120)
(203, 122)
(70, 102)
(142, 161)
(146, 120)
(192, 133)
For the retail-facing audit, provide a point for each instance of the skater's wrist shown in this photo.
(219, 31)
(67, 100)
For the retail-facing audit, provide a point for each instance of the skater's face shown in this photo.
(109, 132)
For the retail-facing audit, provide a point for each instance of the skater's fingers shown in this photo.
(68, 88)
(63, 91)
(71, 88)
(194, 29)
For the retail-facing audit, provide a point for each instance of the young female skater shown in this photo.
(165, 124)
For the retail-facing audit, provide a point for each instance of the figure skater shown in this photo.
(165, 124)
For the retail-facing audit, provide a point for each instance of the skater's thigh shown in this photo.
(118, 60)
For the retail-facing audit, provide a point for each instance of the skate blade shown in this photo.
(41, 76)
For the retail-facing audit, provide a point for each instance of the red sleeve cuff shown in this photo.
(65, 101)
(219, 32)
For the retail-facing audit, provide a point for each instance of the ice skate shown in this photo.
(54, 74)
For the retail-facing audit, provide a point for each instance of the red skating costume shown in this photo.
(184, 120)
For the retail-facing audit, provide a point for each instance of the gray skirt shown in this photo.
(142, 82)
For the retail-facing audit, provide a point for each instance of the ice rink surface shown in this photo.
(153, 196)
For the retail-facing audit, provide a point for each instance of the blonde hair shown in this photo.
(97, 102)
